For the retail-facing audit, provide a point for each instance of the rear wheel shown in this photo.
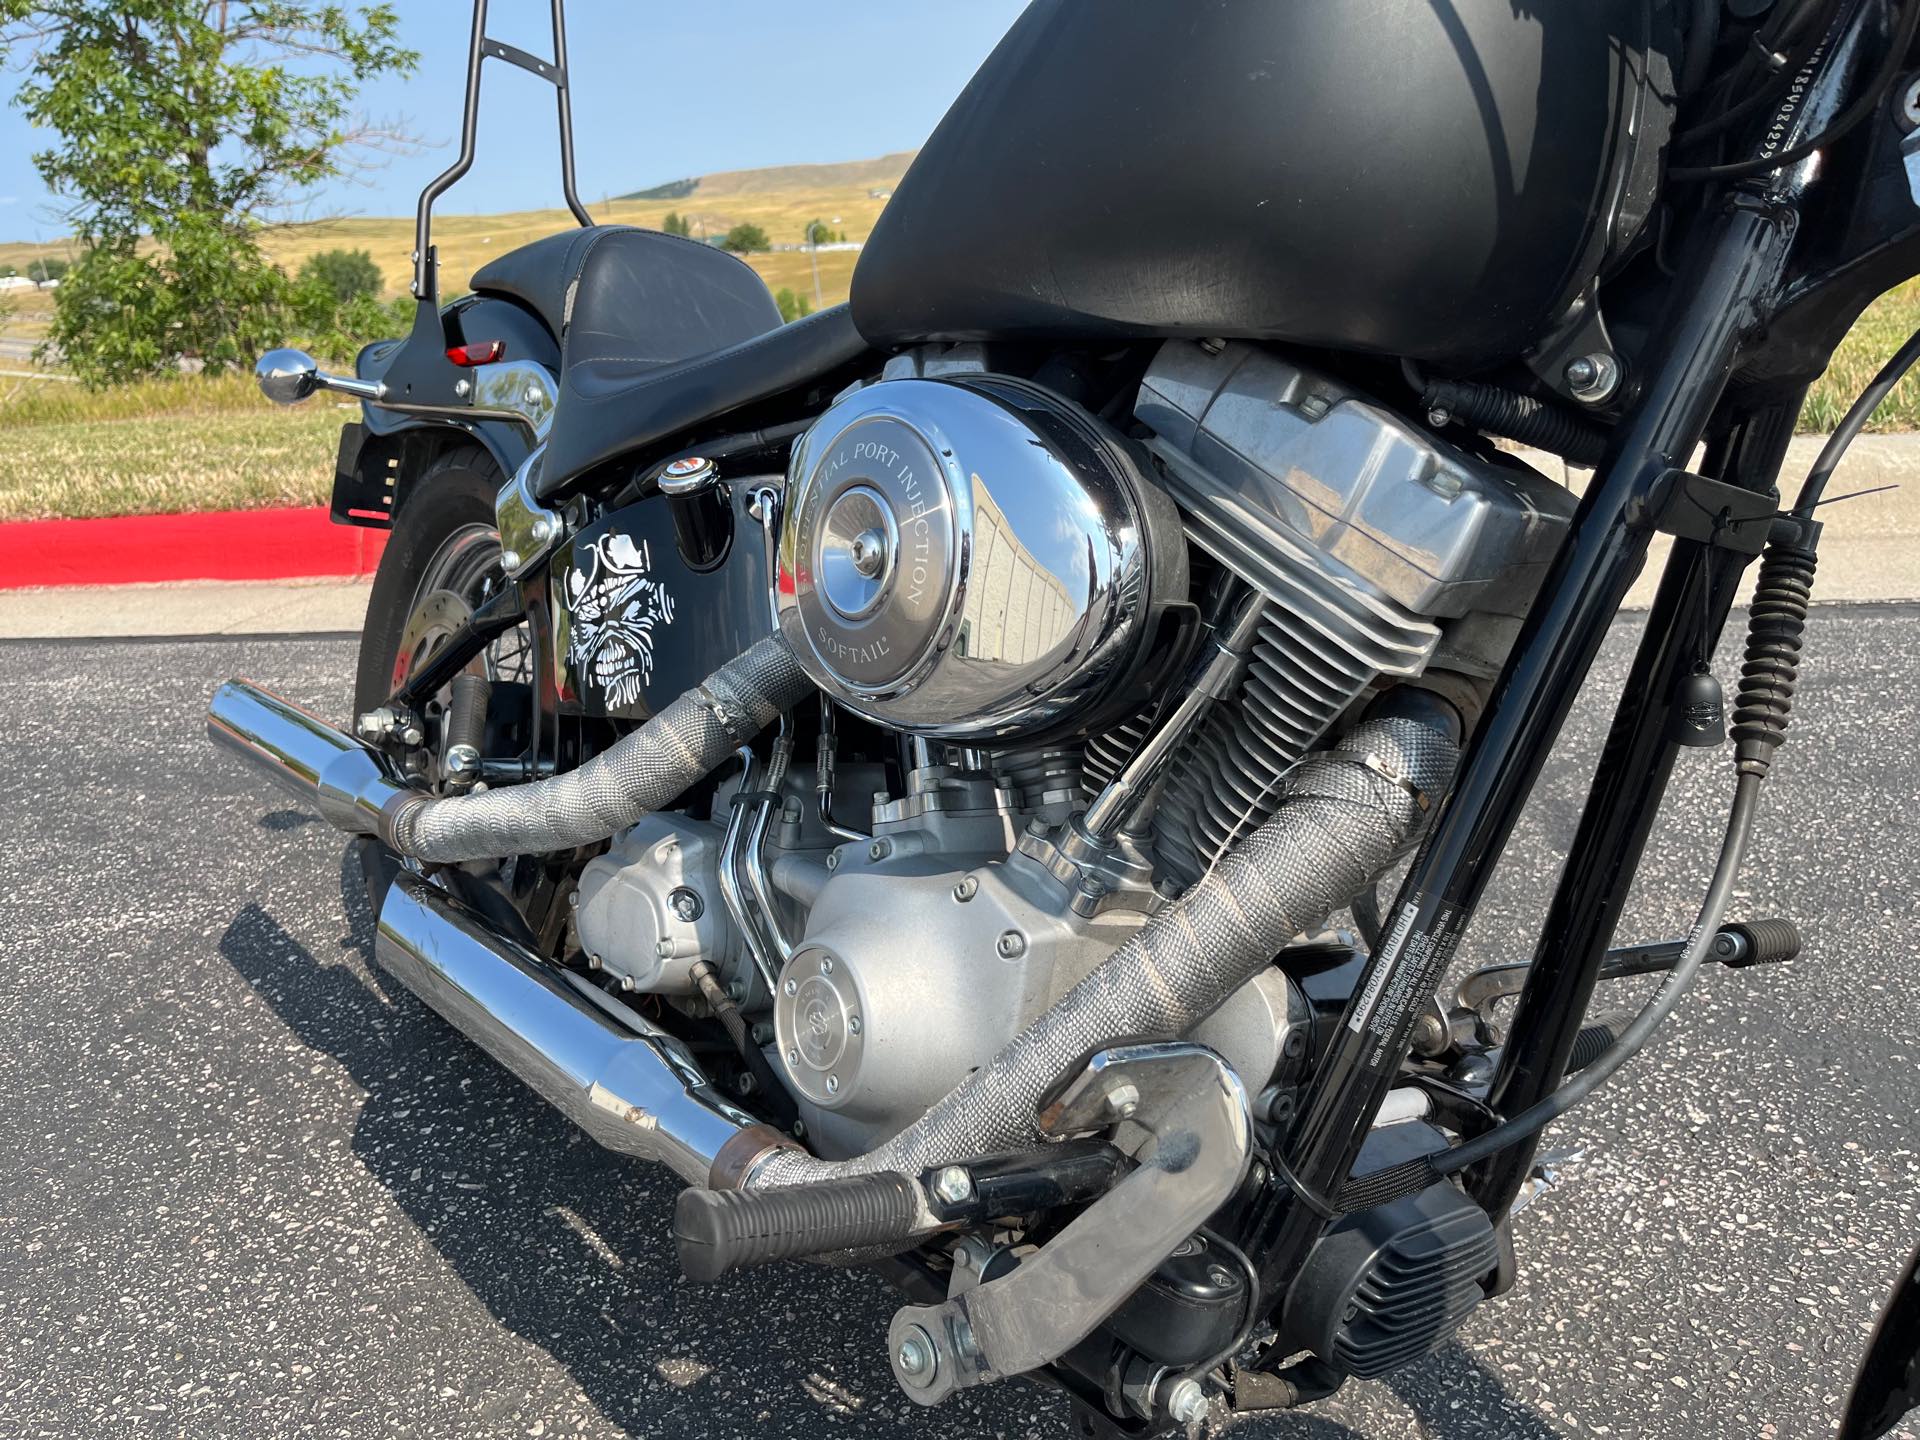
(442, 561)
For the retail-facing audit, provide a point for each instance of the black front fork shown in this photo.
(1735, 274)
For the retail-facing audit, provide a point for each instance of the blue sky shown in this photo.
(662, 89)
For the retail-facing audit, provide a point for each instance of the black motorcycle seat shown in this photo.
(613, 404)
(615, 291)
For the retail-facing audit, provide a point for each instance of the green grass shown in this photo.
(1881, 330)
(209, 453)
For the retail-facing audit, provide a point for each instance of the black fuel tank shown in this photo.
(1427, 178)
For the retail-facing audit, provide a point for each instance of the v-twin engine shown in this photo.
(1010, 587)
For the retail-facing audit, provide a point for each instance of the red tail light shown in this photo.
(479, 352)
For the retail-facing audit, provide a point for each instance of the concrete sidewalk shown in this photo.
(194, 608)
(1871, 551)
(1871, 547)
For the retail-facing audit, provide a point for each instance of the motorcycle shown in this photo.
(926, 773)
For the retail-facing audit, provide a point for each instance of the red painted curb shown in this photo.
(283, 544)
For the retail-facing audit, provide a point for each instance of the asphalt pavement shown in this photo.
(250, 1188)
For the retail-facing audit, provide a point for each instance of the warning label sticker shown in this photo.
(1400, 982)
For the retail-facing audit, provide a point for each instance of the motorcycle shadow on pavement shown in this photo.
(567, 1246)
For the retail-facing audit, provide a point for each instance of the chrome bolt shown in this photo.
(462, 762)
(1220, 1275)
(793, 1057)
(573, 899)
(686, 903)
(594, 962)
(1592, 379)
(509, 560)
(916, 1361)
(663, 949)
(833, 1084)
(879, 849)
(966, 889)
(953, 1185)
(792, 987)
(1036, 826)
(412, 734)
(853, 1025)
(463, 387)
(535, 395)
(1187, 1402)
(1011, 945)
(1439, 419)
(1910, 104)
(1314, 406)
(833, 860)
(544, 528)
(826, 964)
(626, 983)
(375, 724)
(1123, 1099)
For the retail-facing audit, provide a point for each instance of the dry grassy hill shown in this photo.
(781, 200)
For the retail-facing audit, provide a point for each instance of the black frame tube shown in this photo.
(1735, 273)
(480, 49)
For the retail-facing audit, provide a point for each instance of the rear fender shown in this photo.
(378, 452)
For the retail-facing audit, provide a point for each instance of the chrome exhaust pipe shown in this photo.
(350, 784)
(631, 1087)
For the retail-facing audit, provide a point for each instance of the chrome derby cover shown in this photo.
(970, 558)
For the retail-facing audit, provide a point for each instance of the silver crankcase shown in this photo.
(932, 945)
(650, 907)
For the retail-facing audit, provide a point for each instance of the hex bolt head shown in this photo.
(1123, 1099)
(916, 1361)
(663, 949)
(1187, 1402)
(686, 903)
(953, 1185)
(1011, 945)
(1593, 379)
(626, 982)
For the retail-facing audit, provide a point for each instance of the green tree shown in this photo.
(677, 224)
(183, 128)
(344, 274)
(792, 306)
(818, 232)
(745, 239)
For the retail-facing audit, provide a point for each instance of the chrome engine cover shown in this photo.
(970, 559)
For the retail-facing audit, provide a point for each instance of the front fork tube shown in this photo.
(1682, 629)
(1736, 270)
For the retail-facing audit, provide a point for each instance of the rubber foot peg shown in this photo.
(1768, 942)
(720, 1231)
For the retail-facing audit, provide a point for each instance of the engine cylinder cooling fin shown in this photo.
(1300, 678)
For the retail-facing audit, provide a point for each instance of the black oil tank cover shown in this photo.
(637, 623)
(1429, 178)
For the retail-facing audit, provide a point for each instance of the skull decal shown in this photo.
(616, 607)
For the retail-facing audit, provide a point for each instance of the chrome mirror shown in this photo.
(287, 376)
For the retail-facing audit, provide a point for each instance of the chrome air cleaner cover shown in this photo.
(971, 558)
